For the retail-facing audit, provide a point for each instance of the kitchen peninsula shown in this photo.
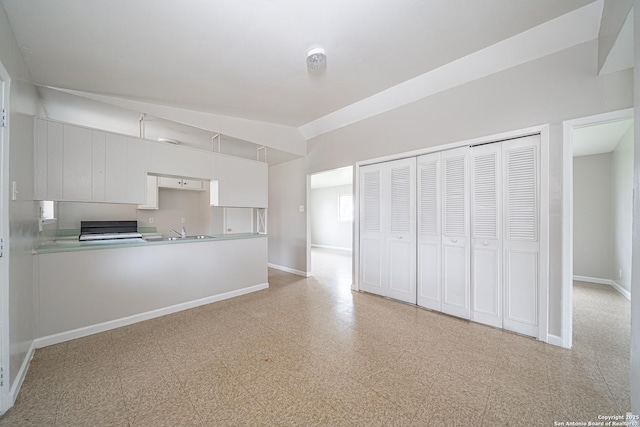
(88, 287)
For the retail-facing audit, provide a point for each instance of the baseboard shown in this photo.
(22, 373)
(125, 321)
(622, 291)
(290, 270)
(592, 280)
(337, 248)
(554, 340)
(625, 293)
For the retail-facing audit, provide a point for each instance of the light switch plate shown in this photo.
(14, 190)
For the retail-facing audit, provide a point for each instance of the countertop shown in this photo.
(71, 245)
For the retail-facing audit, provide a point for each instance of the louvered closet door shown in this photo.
(429, 232)
(371, 229)
(486, 236)
(400, 231)
(521, 241)
(455, 233)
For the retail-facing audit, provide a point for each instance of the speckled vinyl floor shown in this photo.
(311, 352)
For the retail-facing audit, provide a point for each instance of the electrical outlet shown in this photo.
(183, 220)
(301, 208)
(151, 220)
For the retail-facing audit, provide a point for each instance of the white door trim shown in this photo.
(567, 211)
(5, 354)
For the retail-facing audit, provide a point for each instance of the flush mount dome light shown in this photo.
(169, 140)
(316, 59)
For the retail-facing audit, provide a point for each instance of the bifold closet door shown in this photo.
(388, 229)
(371, 229)
(429, 232)
(521, 243)
(486, 236)
(455, 232)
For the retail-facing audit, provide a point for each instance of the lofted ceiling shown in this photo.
(244, 61)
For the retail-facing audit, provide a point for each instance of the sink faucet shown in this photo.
(182, 234)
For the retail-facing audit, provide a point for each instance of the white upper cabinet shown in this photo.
(73, 163)
(169, 159)
(241, 183)
(77, 159)
(40, 159)
(152, 193)
(98, 166)
(180, 183)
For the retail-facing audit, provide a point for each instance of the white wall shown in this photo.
(326, 228)
(23, 106)
(549, 90)
(286, 225)
(622, 210)
(592, 222)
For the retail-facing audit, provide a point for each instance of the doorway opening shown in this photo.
(331, 226)
(597, 219)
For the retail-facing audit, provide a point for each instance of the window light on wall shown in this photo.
(345, 207)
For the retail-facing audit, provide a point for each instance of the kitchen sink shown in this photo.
(201, 236)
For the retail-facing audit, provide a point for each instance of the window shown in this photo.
(345, 207)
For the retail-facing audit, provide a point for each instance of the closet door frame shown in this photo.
(543, 130)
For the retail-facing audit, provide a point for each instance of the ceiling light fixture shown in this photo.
(169, 140)
(316, 59)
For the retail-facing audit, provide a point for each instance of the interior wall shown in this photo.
(173, 205)
(549, 90)
(24, 104)
(326, 228)
(286, 225)
(592, 220)
(622, 210)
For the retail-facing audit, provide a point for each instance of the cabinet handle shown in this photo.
(400, 237)
(486, 243)
(454, 240)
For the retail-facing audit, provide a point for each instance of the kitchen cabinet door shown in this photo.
(192, 184)
(138, 159)
(152, 193)
(77, 160)
(55, 162)
(40, 159)
(116, 168)
(98, 166)
(241, 182)
(169, 182)
(127, 163)
(169, 159)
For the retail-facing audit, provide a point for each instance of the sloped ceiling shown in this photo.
(245, 60)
